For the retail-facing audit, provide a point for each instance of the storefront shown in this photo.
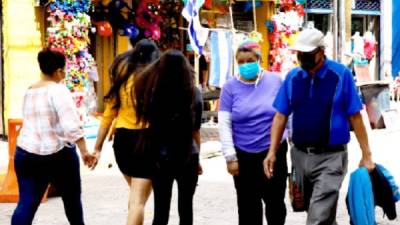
(364, 46)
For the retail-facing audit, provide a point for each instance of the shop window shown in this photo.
(357, 25)
(321, 21)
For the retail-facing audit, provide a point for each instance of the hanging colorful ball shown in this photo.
(104, 28)
(131, 31)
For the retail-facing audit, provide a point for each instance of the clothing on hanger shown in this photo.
(221, 58)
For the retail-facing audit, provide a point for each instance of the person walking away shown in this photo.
(169, 103)
(46, 151)
(245, 119)
(322, 98)
(137, 166)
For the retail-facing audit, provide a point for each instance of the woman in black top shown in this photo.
(169, 103)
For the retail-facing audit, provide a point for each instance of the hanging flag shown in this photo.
(198, 34)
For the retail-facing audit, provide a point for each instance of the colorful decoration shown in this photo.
(68, 32)
(208, 4)
(148, 18)
(104, 28)
(130, 30)
(170, 11)
(141, 19)
(300, 10)
(282, 31)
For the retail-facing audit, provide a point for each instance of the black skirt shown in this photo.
(133, 159)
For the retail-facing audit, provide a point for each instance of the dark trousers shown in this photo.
(186, 177)
(253, 188)
(35, 172)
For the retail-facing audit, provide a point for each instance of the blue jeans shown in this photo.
(36, 172)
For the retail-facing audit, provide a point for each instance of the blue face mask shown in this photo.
(249, 71)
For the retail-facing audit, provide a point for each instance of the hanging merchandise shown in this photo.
(208, 4)
(198, 34)
(68, 32)
(148, 18)
(104, 28)
(136, 19)
(282, 31)
(129, 30)
(170, 11)
(369, 45)
(222, 58)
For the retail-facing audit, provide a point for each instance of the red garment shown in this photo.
(369, 49)
(208, 4)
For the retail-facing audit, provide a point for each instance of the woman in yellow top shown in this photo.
(136, 165)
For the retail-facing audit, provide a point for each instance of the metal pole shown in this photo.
(335, 29)
(342, 26)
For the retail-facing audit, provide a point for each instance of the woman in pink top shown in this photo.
(46, 151)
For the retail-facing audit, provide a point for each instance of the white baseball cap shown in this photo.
(308, 40)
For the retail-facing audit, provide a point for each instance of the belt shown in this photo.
(321, 149)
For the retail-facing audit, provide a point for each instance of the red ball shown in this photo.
(104, 28)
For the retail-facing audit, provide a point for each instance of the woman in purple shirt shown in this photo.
(245, 118)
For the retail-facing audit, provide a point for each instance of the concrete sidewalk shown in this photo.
(105, 192)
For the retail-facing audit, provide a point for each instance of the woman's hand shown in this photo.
(233, 167)
(88, 159)
(199, 169)
(96, 154)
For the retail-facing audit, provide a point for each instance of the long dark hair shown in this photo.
(165, 95)
(129, 63)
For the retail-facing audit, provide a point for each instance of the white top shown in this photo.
(50, 120)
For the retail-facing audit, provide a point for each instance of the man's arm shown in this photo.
(362, 138)
(278, 127)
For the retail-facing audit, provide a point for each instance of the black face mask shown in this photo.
(307, 60)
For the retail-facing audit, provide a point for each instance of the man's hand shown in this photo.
(367, 163)
(362, 137)
(233, 167)
(269, 163)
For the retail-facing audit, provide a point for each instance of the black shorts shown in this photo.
(131, 161)
(203, 63)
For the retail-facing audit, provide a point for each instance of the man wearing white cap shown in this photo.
(322, 97)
